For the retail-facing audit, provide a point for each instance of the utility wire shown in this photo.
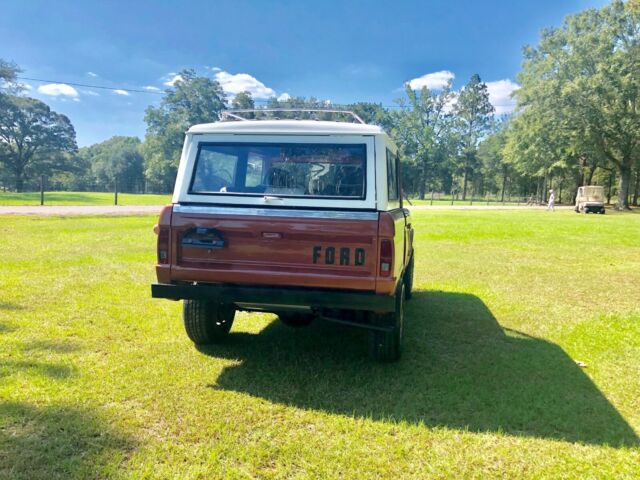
(135, 90)
(91, 86)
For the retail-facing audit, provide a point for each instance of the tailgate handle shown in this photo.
(204, 238)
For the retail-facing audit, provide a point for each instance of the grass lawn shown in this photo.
(99, 380)
(82, 198)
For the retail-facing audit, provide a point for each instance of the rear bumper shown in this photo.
(303, 297)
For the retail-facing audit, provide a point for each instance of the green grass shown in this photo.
(98, 380)
(82, 198)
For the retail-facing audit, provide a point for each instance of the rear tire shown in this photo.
(408, 280)
(295, 320)
(207, 322)
(385, 346)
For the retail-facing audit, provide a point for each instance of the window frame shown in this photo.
(201, 144)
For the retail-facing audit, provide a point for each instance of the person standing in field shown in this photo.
(552, 201)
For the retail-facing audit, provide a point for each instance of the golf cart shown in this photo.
(590, 199)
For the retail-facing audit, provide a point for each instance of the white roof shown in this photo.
(311, 127)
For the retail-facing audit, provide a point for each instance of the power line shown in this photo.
(86, 85)
(135, 90)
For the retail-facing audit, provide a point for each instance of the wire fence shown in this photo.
(129, 191)
(54, 191)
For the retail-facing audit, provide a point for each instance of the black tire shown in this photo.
(207, 322)
(408, 280)
(295, 320)
(385, 346)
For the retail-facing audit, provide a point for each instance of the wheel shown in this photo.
(206, 321)
(295, 320)
(385, 346)
(408, 280)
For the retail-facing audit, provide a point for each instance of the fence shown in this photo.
(53, 191)
(439, 198)
(122, 191)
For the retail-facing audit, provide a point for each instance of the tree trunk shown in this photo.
(464, 184)
(592, 171)
(636, 188)
(504, 182)
(624, 171)
(19, 179)
(423, 179)
(579, 181)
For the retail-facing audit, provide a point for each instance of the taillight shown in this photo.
(386, 258)
(163, 245)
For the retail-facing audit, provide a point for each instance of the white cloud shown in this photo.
(151, 88)
(216, 69)
(172, 81)
(500, 95)
(121, 92)
(26, 86)
(91, 93)
(433, 81)
(58, 89)
(240, 82)
(284, 97)
(91, 74)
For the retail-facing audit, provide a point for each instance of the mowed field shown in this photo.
(82, 198)
(98, 380)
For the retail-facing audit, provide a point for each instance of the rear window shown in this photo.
(286, 170)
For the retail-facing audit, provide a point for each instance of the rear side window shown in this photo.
(287, 170)
(392, 177)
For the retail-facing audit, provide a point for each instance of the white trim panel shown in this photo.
(274, 212)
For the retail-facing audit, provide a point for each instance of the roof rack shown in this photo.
(236, 115)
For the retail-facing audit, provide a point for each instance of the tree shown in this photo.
(495, 167)
(424, 132)
(190, 101)
(373, 113)
(585, 76)
(30, 133)
(243, 100)
(474, 114)
(8, 77)
(117, 159)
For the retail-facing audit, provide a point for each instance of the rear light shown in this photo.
(163, 245)
(386, 258)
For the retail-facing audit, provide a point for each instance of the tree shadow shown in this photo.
(45, 369)
(56, 441)
(459, 369)
(10, 306)
(6, 328)
(52, 345)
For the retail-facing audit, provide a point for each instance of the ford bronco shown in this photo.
(302, 218)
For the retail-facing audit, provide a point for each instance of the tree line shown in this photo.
(577, 122)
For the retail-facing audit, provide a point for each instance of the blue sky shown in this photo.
(343, 51)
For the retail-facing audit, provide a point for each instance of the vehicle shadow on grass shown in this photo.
(459, 369)
(56, 441)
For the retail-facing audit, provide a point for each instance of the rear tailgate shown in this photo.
(271, 246)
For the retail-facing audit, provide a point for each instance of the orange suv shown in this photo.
(301, 218)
